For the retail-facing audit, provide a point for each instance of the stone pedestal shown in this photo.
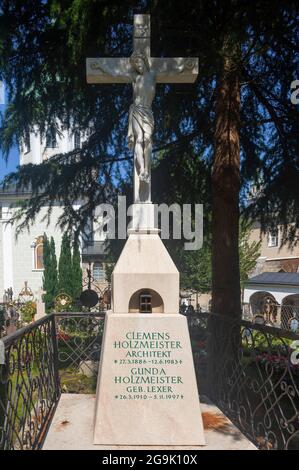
(143, 217)
(145, 264)
(145, 286)
(40, 310)
(147, 391)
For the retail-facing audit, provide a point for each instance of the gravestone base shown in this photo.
(145, 264)
(147, 391)
(72, 429)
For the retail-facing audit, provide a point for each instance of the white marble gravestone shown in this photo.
(147, 391)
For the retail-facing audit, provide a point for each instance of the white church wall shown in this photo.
(6, 278)
(22, 263)
(17, 256)
(1, 257)
(40, 152)
(34, 155)
(36, 147)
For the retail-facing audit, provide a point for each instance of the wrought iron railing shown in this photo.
(29, 385)
(79, 339)
(252, 373)
(58, 353)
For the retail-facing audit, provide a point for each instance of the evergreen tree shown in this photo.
(239, 107)
(50, 281)
(76, 272)
(54, 266)
(109, 267)
(196, 266)
(248, 251)
(65, 280)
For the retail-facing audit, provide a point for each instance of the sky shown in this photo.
(13, 158)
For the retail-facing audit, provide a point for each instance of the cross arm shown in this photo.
(175, 70)
(108, 70)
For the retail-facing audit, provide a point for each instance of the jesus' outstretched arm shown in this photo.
(112, 68)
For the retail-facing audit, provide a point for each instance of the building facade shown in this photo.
(272, 291)
(274, 257)
(21, 258)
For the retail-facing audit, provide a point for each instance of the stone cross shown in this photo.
(40, 292)
(143, 71)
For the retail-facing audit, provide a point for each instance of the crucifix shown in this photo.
(143, 71)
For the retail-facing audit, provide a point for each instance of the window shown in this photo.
(51, 141)
(98, 272)
(145, 303)
(39, 253)
(273, 238)
(27, 146)
(77, 140)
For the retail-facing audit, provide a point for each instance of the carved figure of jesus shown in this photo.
(141, 119)
(144, 72)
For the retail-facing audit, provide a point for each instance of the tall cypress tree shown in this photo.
(76, 272)
(54, 272)
(50, 281)
(239, 104)
(65, 266)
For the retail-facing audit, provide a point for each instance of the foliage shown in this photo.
(72, 382)
(196, 269)
(68, 279)
(65, 272)
(248, 251)
(43, 47)
(50, 276)
(108, 271)
(76, 272)
(28, 310)
(237, 114)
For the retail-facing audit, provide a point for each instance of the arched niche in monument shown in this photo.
(146, 301)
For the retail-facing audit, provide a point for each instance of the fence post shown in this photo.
(55, 356)
(212, 359)
(3, 403)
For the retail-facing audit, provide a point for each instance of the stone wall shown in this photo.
(21, 260)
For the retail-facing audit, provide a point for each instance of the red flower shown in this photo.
(62, 336)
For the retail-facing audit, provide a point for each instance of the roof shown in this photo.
(290, 279)
(11, 190)
(94, 251)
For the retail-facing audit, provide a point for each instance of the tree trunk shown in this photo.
(224, 335)
(226, 298)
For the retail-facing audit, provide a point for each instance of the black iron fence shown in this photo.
(59, 352)
(250, 371)
(29, 385)
(79, 339)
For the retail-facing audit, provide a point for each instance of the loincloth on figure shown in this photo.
(143, 117)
